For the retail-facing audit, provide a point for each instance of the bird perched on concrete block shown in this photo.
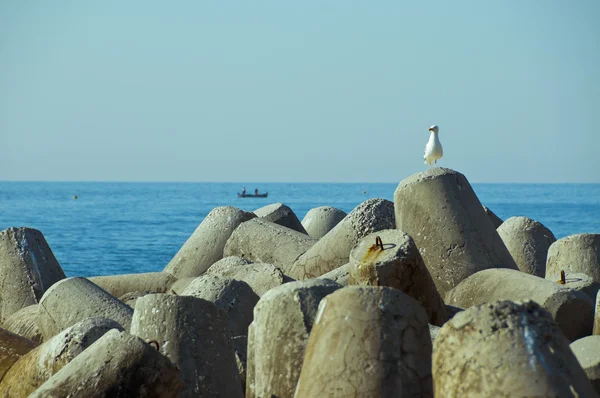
(433, 149)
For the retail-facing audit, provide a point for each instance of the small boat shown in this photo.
(249, 195)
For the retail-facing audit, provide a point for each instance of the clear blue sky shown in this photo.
(298, 91)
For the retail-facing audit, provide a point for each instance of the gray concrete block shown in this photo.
(440, 211)
(12, 348)
(578, 253)
(283, 320)
(506, 349)
(205, 246)
(580, 282)
(396, 262)
(333, 249)
(234, 296)
(261, 277)
(281, 214)
(367, 341)
(119, 285)
(75, 299)
(24, 323)
(496, 221)
(116, 365)
(262, 241)
(587, 352)
(572, 310)
(39, 364)
(319, 221)
(27, 269)
(527, 241)
(339, 275)
(192, 333)
(131, 298)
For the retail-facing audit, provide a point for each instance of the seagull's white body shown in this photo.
(433, 149)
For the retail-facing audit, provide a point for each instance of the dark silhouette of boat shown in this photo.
(249, 195)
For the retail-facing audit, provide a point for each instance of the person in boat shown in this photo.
(243, 191)
(256, 191)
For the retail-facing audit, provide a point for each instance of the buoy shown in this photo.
(75, 197)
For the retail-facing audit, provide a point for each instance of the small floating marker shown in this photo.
(365, 192)
(75, 197)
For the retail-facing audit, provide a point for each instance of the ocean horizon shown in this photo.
(131, 227)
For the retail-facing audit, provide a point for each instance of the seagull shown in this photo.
(433, 149)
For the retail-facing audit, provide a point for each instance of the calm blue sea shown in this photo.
(115, 228)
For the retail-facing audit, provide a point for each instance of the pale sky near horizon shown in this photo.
(308, 91)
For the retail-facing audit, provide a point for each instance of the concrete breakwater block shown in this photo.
(24, 323)
(205, 246)
(261, 277)
(27, 269)
(573, 311)
(192, 333)
(527, 241)
(506, 349)
(496, 221)
(320, 220)
(440, 211)
(262, 241)
(234, 296)
(580, 282)
(12, 348)
(283, 320)
(281, 214)
(39, 364)
(339, 275)
(587, 352)
(74, 299)
(116, 365)
(391, 258)
(368, 341)
(578, 253)
(333, 249)
(119, 285)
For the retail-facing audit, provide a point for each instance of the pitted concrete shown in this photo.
(234, 296)
(12, 348)
(75, 299)
(333, 249)
(506, 349)
(27, 269)
(578, 253)
(24, 323)
(587, 352)
(116, 365)
(527, 241)
(440, 211)
(205, 246)
(39, 364)
(119, 285)
(261, 277)
(367, 342)
(283, 320)
(320, 220)
(281, 214)
(262, 241)
(396, 263)
(192, 333)
(573, 311)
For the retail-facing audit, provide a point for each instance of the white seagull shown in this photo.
(433, 149)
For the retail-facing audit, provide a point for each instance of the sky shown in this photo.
(303, 91)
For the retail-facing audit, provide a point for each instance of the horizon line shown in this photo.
(278, 182)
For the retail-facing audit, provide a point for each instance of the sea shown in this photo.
(121, 227)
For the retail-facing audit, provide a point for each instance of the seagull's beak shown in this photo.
(429, 129)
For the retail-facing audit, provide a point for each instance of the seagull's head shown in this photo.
(434, 129)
